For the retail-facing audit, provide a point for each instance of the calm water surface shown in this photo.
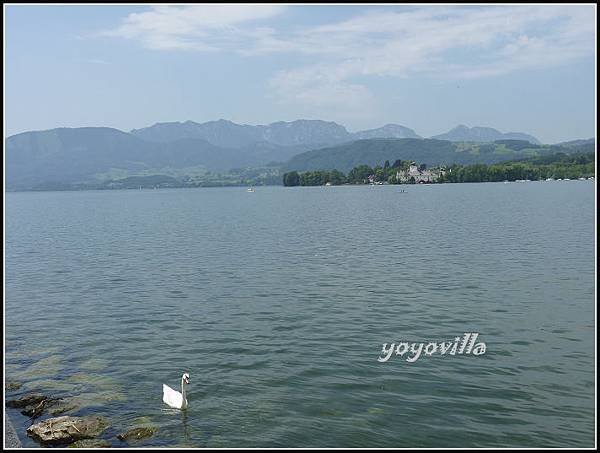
(277, 303)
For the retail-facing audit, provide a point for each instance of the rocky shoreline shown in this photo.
(64, 430)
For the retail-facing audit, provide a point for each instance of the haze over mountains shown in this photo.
(69, 155)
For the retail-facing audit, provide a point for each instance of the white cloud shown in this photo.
(427, 41)
(197, 27)
(432, 41)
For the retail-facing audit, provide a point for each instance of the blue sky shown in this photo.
(515, 68)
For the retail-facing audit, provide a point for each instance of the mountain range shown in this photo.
(67, 155)
(311, 133)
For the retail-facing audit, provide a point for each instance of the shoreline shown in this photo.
(299, 185)
(11, 439)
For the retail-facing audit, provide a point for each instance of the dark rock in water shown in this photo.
(91, 443)
(66, 430)
(35, 410)
(137, 433)
(26, 400)
(12, 385)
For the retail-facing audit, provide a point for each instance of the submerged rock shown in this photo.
(137, 433)
(27, 400)
(91, 443)
(46, 367)
(12, 386)
(66, 429)
(60, 407)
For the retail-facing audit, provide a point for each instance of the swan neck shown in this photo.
(183, 388)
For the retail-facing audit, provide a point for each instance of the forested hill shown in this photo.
(428, 151)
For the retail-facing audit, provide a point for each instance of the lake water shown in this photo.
(278, 302)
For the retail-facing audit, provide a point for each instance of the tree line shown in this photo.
(358, 175)
(557, 166)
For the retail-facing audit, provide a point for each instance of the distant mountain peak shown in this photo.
(484, 134)
(390, 130)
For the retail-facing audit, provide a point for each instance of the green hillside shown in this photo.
(428, 151)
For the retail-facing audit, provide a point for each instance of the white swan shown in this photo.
(175, 399)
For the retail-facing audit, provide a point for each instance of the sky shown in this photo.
(517, 68)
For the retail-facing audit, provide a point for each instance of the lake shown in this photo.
(278, 303)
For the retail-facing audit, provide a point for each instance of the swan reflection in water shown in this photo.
(183, 414)
(186, 428)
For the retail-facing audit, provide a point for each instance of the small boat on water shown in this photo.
(250, 189)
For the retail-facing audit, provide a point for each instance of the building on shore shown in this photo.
(418, 175)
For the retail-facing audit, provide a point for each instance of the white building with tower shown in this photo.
(423, 176)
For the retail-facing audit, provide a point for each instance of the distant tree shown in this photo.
(359, 175)
(291, 179)
(336, 177)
